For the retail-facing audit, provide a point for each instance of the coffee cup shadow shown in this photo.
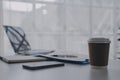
(99, 74)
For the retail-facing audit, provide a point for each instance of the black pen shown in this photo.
(69, 56)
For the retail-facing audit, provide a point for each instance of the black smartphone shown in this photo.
(42, 65)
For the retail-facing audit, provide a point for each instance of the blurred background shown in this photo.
(64, 25)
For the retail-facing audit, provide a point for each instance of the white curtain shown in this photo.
(62, 24)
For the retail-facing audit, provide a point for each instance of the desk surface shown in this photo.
(68, 72)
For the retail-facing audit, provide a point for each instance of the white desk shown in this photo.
(68, 72)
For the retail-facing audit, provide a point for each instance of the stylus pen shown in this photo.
(43, 66)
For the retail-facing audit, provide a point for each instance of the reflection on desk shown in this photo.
(97, 74)
(68, 72)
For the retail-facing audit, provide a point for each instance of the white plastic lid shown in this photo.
(99, 40)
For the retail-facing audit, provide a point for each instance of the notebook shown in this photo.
(19, 59)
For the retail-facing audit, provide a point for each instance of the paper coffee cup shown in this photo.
(99, 51)
(99, 40)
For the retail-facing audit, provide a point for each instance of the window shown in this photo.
(18, 6)
(61, 24)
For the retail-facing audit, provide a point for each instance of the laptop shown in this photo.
(18, 40)
(32, 52)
